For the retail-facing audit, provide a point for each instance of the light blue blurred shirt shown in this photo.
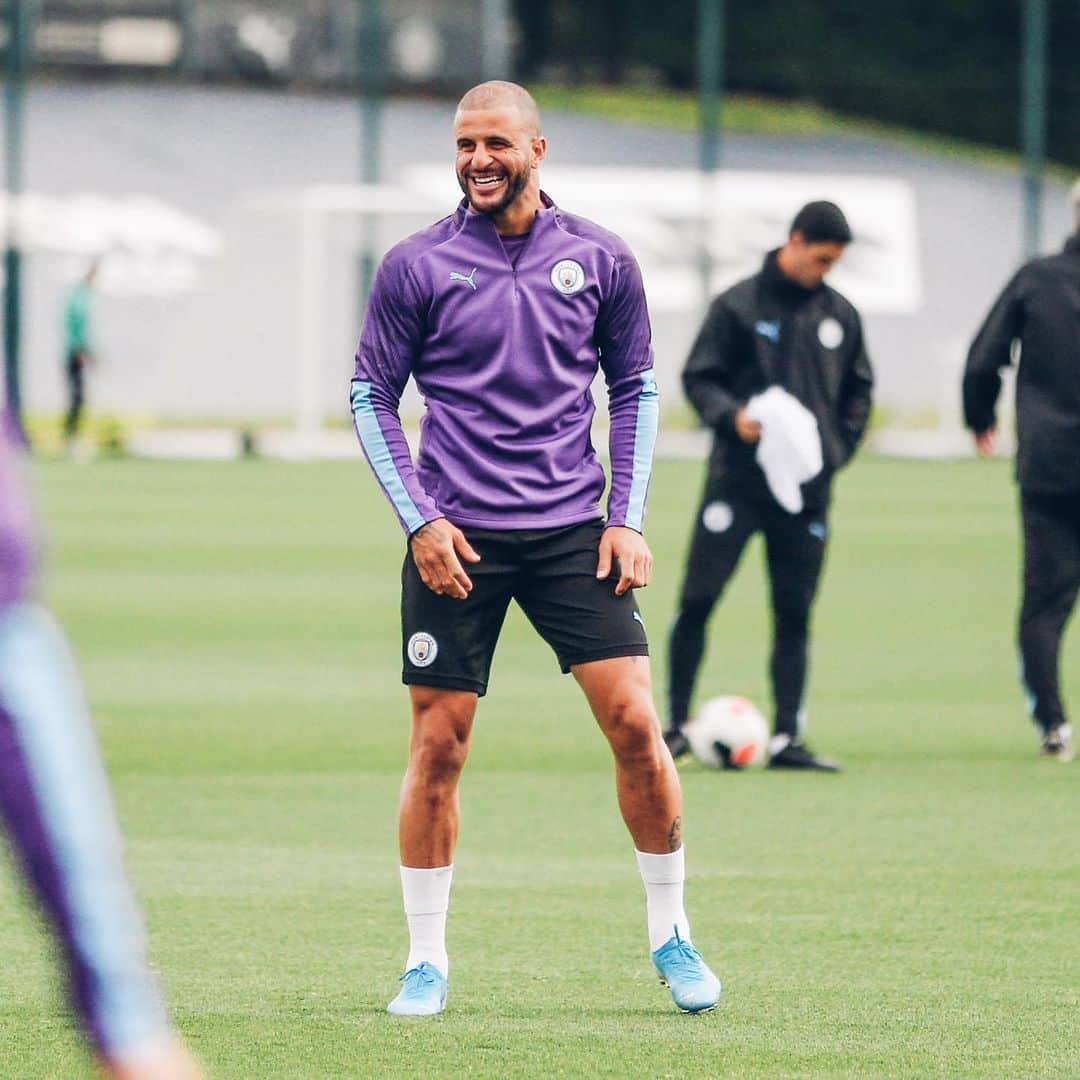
(77, 319)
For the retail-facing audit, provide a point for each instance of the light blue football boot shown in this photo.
(422, 993)
(683, 970)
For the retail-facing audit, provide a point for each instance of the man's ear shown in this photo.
(539, 150)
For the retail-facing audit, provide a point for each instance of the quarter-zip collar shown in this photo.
(776, 281)
(482, 225)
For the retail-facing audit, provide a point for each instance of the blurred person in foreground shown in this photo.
(77, 351)
(781, 328)
(502, 313)
(1039, 309)
(55, 803)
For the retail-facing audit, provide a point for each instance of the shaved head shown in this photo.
(503, 95)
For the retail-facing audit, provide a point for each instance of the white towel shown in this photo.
(789, 451)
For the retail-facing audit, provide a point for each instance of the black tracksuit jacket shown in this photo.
(769, 330)
(1040, 308)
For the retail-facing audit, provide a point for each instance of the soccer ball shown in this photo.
(728, 733)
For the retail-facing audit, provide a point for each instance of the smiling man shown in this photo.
(503, 313)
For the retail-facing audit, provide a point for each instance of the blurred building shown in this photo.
(234, 232)
(433, 45)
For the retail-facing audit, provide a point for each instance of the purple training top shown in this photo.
(16, 531)
(504, 342)
(54, 799)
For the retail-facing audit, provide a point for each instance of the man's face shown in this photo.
(497, 155)
(808, 263)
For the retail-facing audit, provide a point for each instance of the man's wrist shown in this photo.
(420, 528)
(726, 424)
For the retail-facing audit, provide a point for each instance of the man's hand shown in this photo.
(635, 558)
(747, 429)
(985, 441)
(435, 549)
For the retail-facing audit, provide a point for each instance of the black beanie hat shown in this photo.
(822, 222)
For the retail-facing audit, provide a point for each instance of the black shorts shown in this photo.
(551, 573)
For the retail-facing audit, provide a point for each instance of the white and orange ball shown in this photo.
(728, 733)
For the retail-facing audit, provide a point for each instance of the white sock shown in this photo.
(664, 876)
(427, 899)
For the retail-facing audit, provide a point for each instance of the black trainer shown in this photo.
(1057, 743)
(793, 754)
(677, 743)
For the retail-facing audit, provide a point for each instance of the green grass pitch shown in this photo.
(236, 625)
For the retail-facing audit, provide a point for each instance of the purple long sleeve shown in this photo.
(54, 800)
(390, 342)
(16, 522)
(633, 399)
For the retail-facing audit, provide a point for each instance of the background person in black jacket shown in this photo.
(1040, 308)
(782, 327)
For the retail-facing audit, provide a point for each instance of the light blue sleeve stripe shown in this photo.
(648, 422)
(382, 461)
(41, 692)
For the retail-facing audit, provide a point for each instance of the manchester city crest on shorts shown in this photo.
(423, 649)
(568, 276)
(830, 333)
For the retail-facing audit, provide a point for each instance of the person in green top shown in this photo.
(77, 351)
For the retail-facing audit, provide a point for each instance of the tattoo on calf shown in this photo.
(674, 835)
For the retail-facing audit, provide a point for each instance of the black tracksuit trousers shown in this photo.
(795, 554)
(1051, 581)
(76, 380)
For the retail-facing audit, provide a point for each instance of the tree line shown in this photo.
(945, 66)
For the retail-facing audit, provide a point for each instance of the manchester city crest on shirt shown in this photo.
(717, 517)
(568, 276)
(423, 649)
(830, 333)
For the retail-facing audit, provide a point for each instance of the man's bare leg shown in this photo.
(619, 692)
(429, 815)
(427, 831)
